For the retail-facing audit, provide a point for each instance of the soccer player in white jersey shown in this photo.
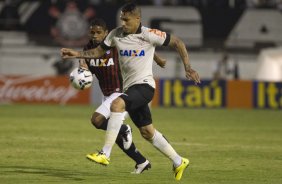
(136, 45)
(110, 82)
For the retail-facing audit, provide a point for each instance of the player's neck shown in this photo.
(138, 30)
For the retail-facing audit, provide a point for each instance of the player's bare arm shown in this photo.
(160, 61)
(179, 46)
(97, 52)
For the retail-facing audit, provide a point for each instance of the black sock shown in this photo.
(132, 152)
(122, 129)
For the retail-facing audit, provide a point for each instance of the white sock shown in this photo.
(114, 124)
(163, 146)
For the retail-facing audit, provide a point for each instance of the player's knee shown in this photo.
(146, 133)
(118, 105)
(96, 121)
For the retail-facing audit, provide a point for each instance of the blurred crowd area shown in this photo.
(202, 3)
(225, 38)
(195, 3)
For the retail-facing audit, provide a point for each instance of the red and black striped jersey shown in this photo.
(106, 69)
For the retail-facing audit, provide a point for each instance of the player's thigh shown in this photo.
(141, 116)
(138, 96)
(104, 108)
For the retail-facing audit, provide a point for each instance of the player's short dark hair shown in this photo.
(130, 7)
(99, 22)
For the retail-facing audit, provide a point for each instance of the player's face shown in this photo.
(97, 34)
(129, 22)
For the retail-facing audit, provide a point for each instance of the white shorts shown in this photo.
(105, 107)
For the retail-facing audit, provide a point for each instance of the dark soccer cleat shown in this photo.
(141, 167)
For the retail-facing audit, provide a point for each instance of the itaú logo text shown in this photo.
(135, 53)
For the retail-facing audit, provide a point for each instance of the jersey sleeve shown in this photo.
(109, 40)
(158, 37)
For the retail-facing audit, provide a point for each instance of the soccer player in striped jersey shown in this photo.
(106, 69)
(136, 46)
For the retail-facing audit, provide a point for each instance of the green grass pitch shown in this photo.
(48, 144)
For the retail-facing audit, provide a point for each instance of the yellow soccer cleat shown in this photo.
(178, 171)
(99, 158)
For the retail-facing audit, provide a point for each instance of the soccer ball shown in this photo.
(81, 78)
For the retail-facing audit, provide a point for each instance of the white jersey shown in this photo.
(136, 53)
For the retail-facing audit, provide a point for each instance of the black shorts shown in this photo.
(137, 98)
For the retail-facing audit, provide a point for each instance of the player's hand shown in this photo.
(82, 64)
(193, 75)
(161, 62)
(69, 53)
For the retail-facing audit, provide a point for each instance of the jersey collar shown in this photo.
(137, 32)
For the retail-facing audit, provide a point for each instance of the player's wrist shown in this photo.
(187, 67)
(79, 54)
